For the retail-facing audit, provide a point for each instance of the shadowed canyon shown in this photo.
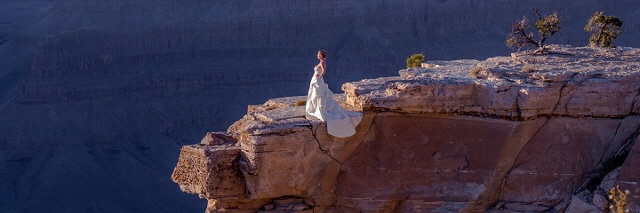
(98, 97)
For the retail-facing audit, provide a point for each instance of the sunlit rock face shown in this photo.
(98, 96)
(438, 140)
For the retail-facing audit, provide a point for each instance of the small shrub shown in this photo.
(527, 68)
(474, 72)
(619, 200)
(300, 103)
(415, 60)
(604, 29)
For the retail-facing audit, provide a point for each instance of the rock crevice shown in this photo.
(320, 145)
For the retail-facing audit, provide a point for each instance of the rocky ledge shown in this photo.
(507, 134)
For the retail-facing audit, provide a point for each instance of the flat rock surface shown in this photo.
(271, 116)
(572, 81)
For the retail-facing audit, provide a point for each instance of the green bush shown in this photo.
(604, 28)
(415, 60)
(547, 26)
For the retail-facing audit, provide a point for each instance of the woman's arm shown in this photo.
(323, 66)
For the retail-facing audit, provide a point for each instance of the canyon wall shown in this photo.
(439, 140)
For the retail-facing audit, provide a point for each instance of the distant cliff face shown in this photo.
(99, 41)
(104, 93)
(438, 140)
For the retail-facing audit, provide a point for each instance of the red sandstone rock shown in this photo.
(217, 138)
(629, 178)
(579, 206)
(439, 141)
(210, 171)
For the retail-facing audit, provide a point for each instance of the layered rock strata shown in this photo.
(525, 134)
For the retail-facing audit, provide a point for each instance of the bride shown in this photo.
(341, 123)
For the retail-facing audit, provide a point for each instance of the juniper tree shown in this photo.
(521, 36)
(604, 28)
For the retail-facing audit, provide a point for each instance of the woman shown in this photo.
(341, 123)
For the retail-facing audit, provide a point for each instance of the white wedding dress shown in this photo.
(341, 123)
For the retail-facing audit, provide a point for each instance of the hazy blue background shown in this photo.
(97, 97)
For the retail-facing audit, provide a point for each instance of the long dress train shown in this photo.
(341, 123)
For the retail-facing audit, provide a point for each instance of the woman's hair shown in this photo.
(322, 53)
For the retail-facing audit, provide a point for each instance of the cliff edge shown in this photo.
(507, 134)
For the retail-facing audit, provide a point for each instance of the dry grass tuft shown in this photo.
(618, 199)
(474, 72)
(300, 103)
(527, 68)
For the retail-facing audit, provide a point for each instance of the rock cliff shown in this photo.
(526, 134)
